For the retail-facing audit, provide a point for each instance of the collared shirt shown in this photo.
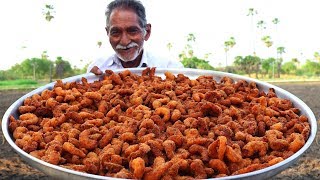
(148, 60)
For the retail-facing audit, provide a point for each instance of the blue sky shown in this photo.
(78, 25)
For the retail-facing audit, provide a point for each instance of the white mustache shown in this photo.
(131, 45)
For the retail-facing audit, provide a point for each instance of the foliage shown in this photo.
(289, 67)
(63, 68)
(267, 65)
(196, 63)
(247, 64)
(48, 12)
(34, 67)
(311, 68)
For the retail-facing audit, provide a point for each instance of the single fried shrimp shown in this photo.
(296, 141)
(276, 140)
(253, 147)
(217, 148)
(28, 119)
(163, 112)
(219, 165)
(138, 167)
(233, 153)
(89, 138)
(67, 146)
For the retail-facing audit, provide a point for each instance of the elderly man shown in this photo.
(127, 29)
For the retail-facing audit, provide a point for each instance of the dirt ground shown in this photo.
(307, 167)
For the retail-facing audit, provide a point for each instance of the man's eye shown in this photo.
(114, 33)
(133, 31)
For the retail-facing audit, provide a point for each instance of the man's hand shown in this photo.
(95, 70)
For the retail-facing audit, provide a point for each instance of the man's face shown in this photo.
(125, 34)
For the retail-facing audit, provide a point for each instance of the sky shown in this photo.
(77, 26)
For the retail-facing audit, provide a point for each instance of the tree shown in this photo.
(248, 64)
(99, 43)
(311, 68)
(267, 65)
(316, 56)
(276, 21)
(227, 46)
(48, 12)
(63, 68)
(289, 67)
(196, 63)
(188, 50)
(35, 67)
(169, 46)
(251, 13)
(280, 51)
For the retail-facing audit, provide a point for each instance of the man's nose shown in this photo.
(125, 39)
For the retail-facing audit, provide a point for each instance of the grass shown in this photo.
(19, 84)
(32, 84)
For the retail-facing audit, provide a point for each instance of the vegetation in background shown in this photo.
(35, 71)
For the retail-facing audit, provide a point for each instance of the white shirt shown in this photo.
(148, 60)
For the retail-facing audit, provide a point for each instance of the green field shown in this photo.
(19, 84)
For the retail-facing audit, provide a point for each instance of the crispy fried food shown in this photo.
(147, 127)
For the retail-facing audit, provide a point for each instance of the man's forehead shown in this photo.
(121, 15)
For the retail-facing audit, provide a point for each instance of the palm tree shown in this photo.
(48, 12)
(169, 46)
(316, 56)
(190, 40)
(251, 13)
(227, 46)
(280, 51)
(276, 21)
(267, 41)
(99, 43)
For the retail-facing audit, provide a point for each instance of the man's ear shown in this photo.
(148, 32)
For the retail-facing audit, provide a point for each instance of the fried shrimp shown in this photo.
(69, 147)
(296, 141)
(146, 126)
(253, 147)
(163, 112)
(138, 167)
(89, 138)
(218, 148)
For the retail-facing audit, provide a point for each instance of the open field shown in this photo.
(307, 167)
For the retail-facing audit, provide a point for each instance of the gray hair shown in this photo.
(134, 5)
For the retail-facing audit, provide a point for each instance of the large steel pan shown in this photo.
(63, 173)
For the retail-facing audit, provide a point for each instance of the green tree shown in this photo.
(280, 51)
(267, 65)
(63, 68)
(289, 67)
(188, 49)
(230, 43)
(311, 68)
(169, 46)
(48, 12)
(196, 63)
(251, 13)
(248, 64)
(99, 44)
(276, 21)
(34, 67)
(316, 56)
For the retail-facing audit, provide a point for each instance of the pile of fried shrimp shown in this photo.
(143, 126)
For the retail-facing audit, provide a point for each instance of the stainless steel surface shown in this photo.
(63, 173)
